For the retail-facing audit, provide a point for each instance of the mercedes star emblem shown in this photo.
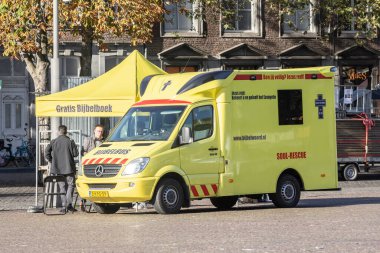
(99, 170)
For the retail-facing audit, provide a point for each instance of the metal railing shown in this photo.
(355, 100)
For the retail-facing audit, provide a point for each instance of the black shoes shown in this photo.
(70, 208)
(82, 205)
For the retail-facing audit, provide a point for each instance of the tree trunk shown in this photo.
(37, 64)
(86, 51)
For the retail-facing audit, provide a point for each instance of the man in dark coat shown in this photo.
(60, 152)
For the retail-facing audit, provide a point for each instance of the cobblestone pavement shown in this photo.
(20, 198)
(338, 221)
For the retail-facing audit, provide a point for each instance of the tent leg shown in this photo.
(36, 208)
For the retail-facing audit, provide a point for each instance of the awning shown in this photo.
(109, 95)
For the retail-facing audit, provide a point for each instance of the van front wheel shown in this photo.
(288, 192)
(169, 197)
(224, 203)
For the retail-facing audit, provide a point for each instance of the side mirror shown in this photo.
(185, 138)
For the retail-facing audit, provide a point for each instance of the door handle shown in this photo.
(212, 149)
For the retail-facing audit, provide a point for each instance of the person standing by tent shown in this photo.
(60, 152)
(89, 144)
(93, 141)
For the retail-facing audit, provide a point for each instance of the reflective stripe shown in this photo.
(194, 190)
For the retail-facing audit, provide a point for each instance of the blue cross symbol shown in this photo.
(166, 85)
(320, 103)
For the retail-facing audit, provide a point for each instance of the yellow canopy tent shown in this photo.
(109, 95)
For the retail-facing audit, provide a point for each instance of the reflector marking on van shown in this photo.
(204, 190)
(124, 161)
(249, 77)
(194, 190)
(253, 77)
(115, 160)
(316, 76)
(214, 187)
(161, 101)
(98, 161)
(106, 161)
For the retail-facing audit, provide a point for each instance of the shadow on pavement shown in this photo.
(334, 202)
(307, 203)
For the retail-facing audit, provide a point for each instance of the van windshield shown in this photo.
(147, 123)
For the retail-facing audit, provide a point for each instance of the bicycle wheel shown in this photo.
(4, 158)
(21, 162)
(31, 158)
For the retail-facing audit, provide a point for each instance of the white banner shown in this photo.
(348, 93)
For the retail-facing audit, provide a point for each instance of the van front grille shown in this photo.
(109, 170)
(101, 186)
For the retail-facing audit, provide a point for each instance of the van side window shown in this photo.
(203, 123)
(290, 111)
(200, 122)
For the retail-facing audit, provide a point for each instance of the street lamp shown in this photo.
(54, 121)
(54, 81)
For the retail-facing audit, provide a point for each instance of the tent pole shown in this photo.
(36, 208)
(37, 157)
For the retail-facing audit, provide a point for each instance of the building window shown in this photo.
(351, 27)
(70, 66)
(358, 76)
(11, 67)
(13, 112)
(242, 16)
(290, 110)
(180, 18)
(180, 69)
(112, 61)
(301, 22)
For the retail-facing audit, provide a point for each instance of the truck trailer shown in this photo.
(358, 144)
(219, 135)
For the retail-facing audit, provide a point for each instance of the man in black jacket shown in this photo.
(60, 152)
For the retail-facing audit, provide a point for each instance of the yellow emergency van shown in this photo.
(218, 135)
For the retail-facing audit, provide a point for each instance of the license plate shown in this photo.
(100, 194)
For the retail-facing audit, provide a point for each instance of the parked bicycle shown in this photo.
(6, 155)
(24, 156)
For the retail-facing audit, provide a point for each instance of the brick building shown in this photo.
(252, 39)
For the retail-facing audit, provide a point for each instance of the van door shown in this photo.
(201, 158)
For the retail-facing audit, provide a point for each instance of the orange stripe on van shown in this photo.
(161, 101)
(115, 160)
(124, 161)
(98, 161)
(214, 187)
(106, 161)
(204, 189)
(194, 191)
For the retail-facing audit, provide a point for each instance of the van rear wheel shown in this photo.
(105, 208)
(224, 203)
(169, 197)
(288, 192)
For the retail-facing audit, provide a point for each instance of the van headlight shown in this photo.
(135, 166)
